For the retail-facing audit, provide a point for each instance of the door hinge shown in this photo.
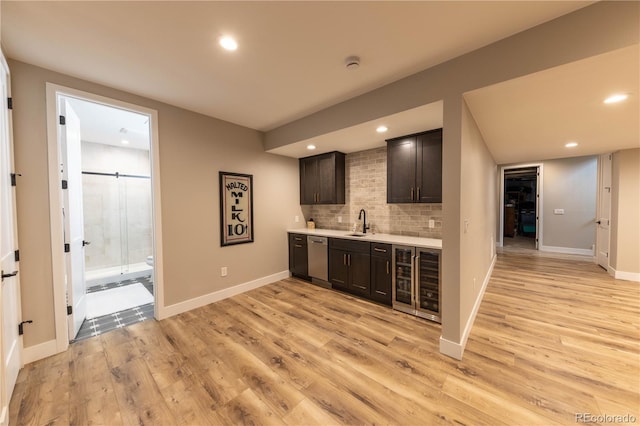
(16, 255)
(14, 181)
(67, 248)
(21, 327)
(69, 310)
(65, 184)
(10, 103)
(63, 120)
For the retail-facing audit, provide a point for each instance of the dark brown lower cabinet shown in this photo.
(349, 266)
(298, 257)
(381, 264)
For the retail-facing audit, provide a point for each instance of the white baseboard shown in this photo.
(567, 250)
(452, 349)
(39, 351)
(456, 350)
(622, 275)
(187, 305)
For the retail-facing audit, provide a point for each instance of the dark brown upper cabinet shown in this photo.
(322, 179)
(414, 168)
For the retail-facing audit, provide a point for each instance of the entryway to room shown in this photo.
(107, 209)
(521, 195)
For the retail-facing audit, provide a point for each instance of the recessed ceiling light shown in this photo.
(571, 144)
(618, 97)
(124, 142)
(228, 43)
(381, 129)
(311, 147)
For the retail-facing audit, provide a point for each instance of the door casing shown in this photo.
(56, 203)
(603, 211)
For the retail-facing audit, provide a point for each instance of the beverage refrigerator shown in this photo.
(416, 281)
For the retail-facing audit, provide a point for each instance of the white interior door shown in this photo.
(70, 145)
(10, 295)
(604, 211)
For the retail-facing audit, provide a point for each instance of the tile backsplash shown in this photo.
(366, 188)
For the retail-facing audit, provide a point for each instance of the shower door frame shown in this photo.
(55, 204)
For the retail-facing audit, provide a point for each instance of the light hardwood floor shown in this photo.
(553, 338)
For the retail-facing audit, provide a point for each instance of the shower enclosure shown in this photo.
(117, 221)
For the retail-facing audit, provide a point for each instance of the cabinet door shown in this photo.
(381, 279)
(429, 167)
(298, 257)
(401, 170)
(338, 269)
(326, 180)
(308, 180)
(359, 273)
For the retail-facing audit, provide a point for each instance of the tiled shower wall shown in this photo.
(117, 211)
(366, 188)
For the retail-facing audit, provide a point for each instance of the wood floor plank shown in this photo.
(554, 336)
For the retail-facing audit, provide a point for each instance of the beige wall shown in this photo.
(193, 148)
(570, 184)
(625, 212)
(478, 208)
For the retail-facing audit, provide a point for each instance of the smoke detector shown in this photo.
(352, 62)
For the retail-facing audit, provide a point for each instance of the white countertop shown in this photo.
(377, 238)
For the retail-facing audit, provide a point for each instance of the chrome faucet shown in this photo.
(363, 215)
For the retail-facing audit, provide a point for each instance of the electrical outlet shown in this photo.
(558, 211)
(297, 219)
(339, 219)
(223, 271)
(432, 223)
(467, 222)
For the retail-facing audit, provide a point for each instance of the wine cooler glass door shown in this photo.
(428, 288)
(403, 262)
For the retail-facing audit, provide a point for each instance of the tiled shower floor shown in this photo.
(96, 326)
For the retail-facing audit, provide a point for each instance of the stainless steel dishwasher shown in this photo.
(318, 255)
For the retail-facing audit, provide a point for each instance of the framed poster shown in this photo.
(236, 208)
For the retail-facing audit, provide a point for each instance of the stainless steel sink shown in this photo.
(356, 234)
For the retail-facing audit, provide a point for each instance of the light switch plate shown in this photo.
(432, 223)
(558, 211)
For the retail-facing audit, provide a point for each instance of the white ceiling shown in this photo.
(533, 117)
(110, 126)
(290, 63)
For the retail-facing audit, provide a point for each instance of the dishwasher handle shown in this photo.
(318, 240)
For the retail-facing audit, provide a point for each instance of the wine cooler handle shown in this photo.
(416, 290)
(413, 283)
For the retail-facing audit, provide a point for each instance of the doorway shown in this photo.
(106, 155)
(113, 212)
(520, 207)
